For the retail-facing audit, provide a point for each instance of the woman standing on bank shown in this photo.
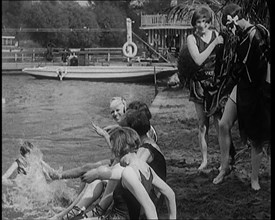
(201, 46)
(252, 94)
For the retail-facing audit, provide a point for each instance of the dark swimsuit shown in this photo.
(158, 163)
(202, 83)
(123, 198)
(253, 108)
(125, 205)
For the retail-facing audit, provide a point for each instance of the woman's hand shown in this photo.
(101, 132)
(89, 176)
(219, 40)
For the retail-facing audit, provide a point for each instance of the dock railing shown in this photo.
(161, 20)
(90, 55)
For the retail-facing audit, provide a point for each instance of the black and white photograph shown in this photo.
(136, 109)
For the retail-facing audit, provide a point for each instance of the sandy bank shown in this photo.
(175, 120)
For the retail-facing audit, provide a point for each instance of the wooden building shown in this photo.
(165, 35)
(9, 42)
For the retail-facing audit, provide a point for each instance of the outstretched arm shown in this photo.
(103, 133)
(8, 173)
(131, 181)
(79, 171)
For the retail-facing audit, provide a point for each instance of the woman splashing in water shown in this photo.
(32, 191)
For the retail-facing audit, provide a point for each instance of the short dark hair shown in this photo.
(201, 12)
(141, 106)
(136, 120)
(231, 9)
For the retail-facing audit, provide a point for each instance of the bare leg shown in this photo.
(203, 133)
(106, 200)
(60, 215)
(217, 118)
(107, 197)
(89, 195)
(225, 141)
(216, 121)
(256, 158)
(92, 193)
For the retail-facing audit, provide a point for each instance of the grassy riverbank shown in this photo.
(197, 197)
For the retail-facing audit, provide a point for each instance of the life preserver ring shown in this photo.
(126, 52)
(61, 72)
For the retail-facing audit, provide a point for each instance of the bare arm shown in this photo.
(8, 173)
(132, 183)
(144, 154)
(103, 133)
(169, 194)
(198, 57)
(103, 173)
(110, 127)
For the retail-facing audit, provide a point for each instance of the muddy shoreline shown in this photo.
(197, 197)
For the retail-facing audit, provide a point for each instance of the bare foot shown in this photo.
(255, 185)
(223, 173)
(202, 166)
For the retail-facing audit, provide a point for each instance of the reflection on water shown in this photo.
(55, 116)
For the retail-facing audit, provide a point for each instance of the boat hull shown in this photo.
(102, 73)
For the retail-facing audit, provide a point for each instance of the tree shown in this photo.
(110, 17)
(66, 14)
(11, 11)
(256, 10)
(79, 17)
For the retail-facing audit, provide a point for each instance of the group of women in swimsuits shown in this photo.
(248, 69)
(132, 184)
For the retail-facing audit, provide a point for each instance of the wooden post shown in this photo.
(155, 81)
(86, 59)
(109, 56)
(33, 55)
(129, 38)
(129, 29)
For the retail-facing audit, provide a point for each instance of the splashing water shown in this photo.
(34, 195)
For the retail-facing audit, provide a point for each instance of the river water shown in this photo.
(55, 116)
